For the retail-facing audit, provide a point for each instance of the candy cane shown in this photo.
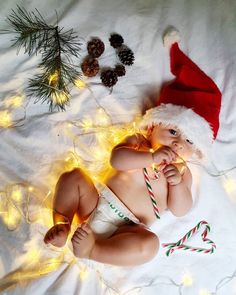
(180, 244)
(150, 191)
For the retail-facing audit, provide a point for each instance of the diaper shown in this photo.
(109, 214)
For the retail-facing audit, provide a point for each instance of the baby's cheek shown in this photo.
(162, 140)
(187, 152)
(190, 152)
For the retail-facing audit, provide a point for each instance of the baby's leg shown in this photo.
(128, 246)
(75, 193)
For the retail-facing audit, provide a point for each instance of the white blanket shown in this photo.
(35, 151)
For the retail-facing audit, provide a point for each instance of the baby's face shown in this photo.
(172, 137)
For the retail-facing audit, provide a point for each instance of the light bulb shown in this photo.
(187, 279)
(5, 119)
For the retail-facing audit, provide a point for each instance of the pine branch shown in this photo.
(52, 85)
(57, 48)
(56, 97)
(31, 29)
(58, 70)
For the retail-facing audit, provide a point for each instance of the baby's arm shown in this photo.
(131, 154)
(179, 196)
(127, 155)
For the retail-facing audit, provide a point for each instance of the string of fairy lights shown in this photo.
(16, 199)
(7, 109)
(9, 105)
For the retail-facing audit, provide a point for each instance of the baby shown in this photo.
(115, 217)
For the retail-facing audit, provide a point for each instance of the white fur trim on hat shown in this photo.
(193, 126)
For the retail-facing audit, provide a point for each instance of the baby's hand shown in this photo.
(164, 155)
(172, 175)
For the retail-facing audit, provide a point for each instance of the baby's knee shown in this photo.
(151, 245)
(73, 175)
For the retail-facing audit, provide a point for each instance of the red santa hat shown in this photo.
(191, 102)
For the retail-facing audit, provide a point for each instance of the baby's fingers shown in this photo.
(169, 173)
(168, 157)
(171, 179)
(169, 168)
(172, 155)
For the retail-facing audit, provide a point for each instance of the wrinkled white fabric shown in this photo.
(208, 36)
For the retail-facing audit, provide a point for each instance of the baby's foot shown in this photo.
(57, 235)
(170, 36)
(83, 241)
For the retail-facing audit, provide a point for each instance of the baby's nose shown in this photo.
(177, 144)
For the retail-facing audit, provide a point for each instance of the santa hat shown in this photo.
(191, 102)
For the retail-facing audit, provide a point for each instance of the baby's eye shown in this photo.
(189, 141)
(173, 132)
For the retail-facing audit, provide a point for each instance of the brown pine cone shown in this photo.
(95, 47)
(126, 56)
(90, 67)
(109, 78)
(120, 70)
(116, 40)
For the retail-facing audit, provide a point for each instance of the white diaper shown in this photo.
(109, 214)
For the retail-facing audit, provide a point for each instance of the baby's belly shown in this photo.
(135, 196)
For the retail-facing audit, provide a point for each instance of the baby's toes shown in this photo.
(76, 238)
(80, 233)
(86, 228)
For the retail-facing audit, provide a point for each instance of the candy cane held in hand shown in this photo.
(180, 244)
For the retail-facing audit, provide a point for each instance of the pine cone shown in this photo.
(90, 67)
(126, 56)
(109, 78)
(95, 47)
(120, 70)
(116, 40)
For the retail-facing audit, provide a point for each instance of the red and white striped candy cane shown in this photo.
(180, 244)
(151, 194)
